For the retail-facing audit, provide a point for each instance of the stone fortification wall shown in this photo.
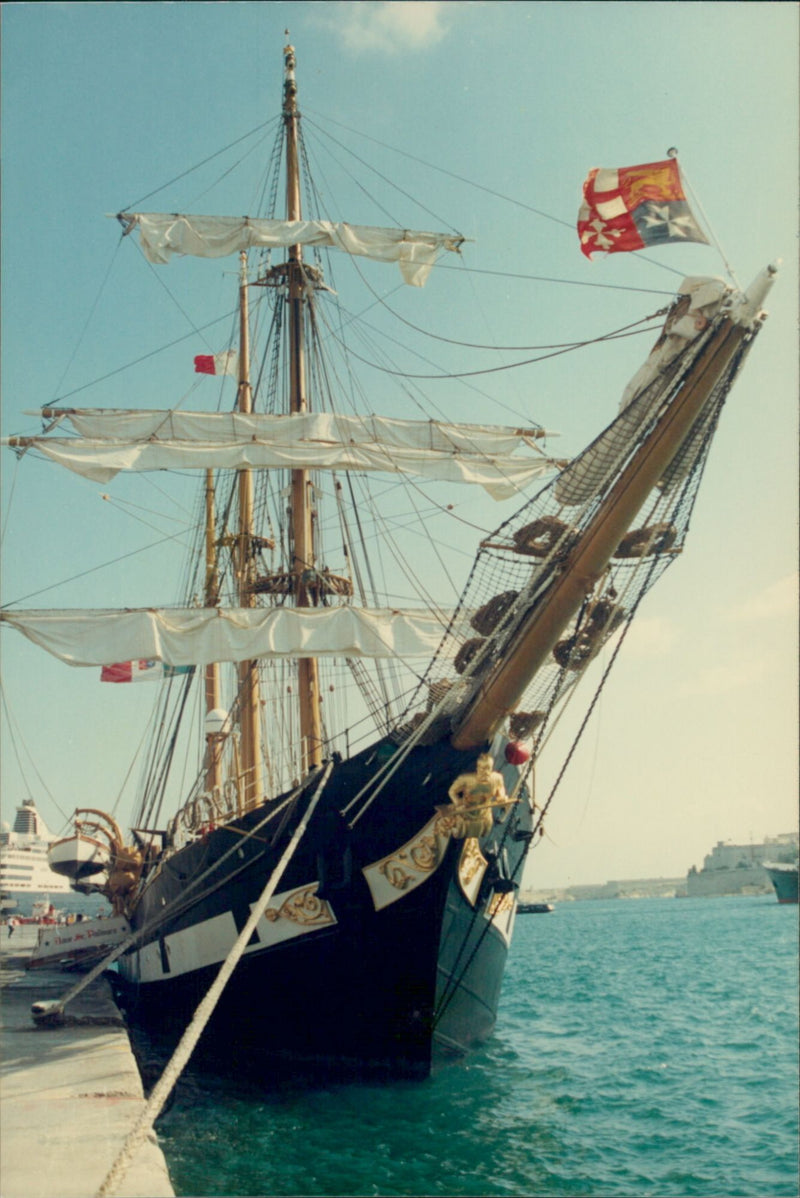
(745, 880)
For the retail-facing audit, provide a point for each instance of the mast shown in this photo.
(213, 778)
(301, 506)
(251, 790)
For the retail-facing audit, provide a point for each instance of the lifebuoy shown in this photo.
(467, 653)
(573, 651)
(487, 618)
(437, 691)
(602, 619)
(540, 537)
(641, 542)
(522, 724)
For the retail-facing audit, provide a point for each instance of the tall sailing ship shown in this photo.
(375, 874)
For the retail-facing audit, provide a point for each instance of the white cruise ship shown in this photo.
(23, 856)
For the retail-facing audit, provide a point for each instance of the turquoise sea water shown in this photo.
(643, 1048)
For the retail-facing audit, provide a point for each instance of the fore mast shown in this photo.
(301, 505)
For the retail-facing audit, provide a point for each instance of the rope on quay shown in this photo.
(52, 1013)
(204, 1011)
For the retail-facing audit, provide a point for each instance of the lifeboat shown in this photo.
(78, 856)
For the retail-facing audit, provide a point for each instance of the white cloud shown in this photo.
(388, 25)
(648, 637)
(778, 599)
(726, 677)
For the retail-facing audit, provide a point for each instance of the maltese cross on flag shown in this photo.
(633, 207)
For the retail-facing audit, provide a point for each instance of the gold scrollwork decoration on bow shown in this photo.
(500, 904)
(471, 868)
(394, 873)
(303, 907)
(410, 865)
(423, 854)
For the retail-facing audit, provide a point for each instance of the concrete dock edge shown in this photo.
(69, 1095)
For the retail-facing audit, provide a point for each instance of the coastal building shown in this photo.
(618, 888)
(728, 869)
(739, 868)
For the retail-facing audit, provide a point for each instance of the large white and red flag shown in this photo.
(630, 207)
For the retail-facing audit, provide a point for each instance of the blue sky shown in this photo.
(510, 105)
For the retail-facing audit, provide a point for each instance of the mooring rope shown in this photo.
(52, 1012)
(204, 1011)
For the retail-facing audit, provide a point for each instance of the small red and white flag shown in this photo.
(224, 363)
(141, 671)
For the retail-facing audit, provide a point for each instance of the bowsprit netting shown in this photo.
(518, 565)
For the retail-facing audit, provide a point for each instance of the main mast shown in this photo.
(213, 765)
(301, 510)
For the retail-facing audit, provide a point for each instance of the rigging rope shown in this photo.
(197, 165)
(481, 187)
(451, 174)
(16, 735)
(143, 358)
(93, 569)
(86, 323)
(461, 374)
(507, 274)
(161, 763)
(475, 345)
(698, 204)
(439, 219)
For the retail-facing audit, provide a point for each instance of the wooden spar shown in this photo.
(251, 790)
(212, 683)
(301, 498)
(536, 638)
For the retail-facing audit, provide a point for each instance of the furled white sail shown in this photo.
(191, 636)
(112, 424)
(502, 475)
(165, 234)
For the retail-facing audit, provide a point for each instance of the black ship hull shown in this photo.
(382, 951)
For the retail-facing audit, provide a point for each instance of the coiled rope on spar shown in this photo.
(190, 1037)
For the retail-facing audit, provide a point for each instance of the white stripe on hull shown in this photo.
(290, 914)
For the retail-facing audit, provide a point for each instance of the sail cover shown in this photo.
(192, 636)
(113, 424)
(502, 475)
(164, 234)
